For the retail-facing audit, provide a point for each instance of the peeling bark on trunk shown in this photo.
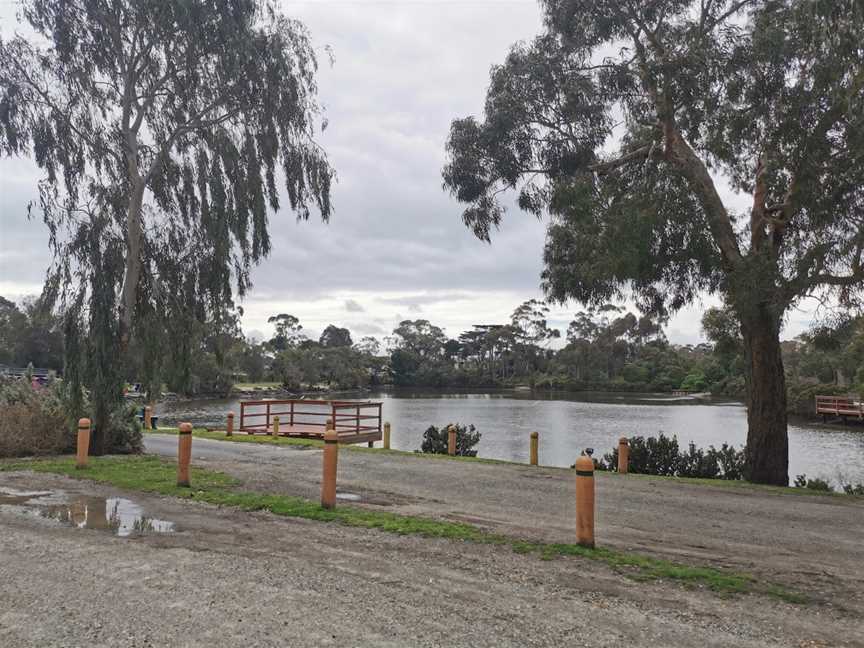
(767, 438)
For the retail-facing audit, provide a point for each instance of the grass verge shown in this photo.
(154, 475)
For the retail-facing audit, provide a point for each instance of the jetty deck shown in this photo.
(354, 421)
(843, 407)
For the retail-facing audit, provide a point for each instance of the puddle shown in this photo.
(349, 497)
(119, 515)
(14, 497)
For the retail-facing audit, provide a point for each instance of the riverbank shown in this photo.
(570, 423)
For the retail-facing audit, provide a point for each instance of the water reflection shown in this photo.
(120, 516)
(570, 422)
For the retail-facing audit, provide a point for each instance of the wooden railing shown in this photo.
(842, 406)
(309, 417)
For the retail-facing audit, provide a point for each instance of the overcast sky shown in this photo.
(395, 247)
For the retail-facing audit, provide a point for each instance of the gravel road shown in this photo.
(810, 543)
(226, 578)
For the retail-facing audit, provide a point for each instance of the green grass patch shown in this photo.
(147, 474)
(151, 474)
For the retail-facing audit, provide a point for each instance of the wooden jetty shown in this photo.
(355, 421)
(843, 407)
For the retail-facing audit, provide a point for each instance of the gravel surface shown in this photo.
(810, 543)
(227, 578)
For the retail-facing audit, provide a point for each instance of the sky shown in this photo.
(395, 247)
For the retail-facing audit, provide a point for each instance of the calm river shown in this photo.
(567, 423)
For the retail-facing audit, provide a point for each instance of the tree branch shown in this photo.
(643, 152)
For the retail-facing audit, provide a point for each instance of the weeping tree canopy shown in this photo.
(167, 132)
(620, 118)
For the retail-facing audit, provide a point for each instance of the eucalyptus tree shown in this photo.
(335, 336)
(164, 129)
(289, 331)
(622, 118)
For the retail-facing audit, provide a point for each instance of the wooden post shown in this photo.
(148, 418)
(585, 501)
(331, 456)
(275, 426)
(451, 441)
(229, 426)
(267, 420)
(291, 415)
(623, 455)
(184, 453)
(535, 442)
(83, 443)
(387, 436)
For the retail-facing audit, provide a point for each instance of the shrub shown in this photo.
(435, 440)
(661, 456)
(44, 421)
(816, 484)
(125, 435)
(694, 382)
(32, 421)
(853, 489)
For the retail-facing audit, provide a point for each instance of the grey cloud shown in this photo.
(368, 329)
(402, 72)
(353, 307)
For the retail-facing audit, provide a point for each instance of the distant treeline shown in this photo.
(606, 348)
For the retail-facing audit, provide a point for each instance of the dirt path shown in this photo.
(810, 543)
(226, 578)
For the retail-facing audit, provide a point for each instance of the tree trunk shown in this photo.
(132, 274)
(767, 439)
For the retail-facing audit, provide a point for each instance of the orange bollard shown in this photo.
(331, 456)
(535, 444)
(623, 455)
(386, 436)
(83, 443)
(275, 426)
(585, 501)
(229, 427)
(148, 418)
(184, 454)
(451, 441)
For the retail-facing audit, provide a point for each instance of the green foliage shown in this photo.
(288, 331)
(30, 334)
(701, 90)
(662, 456)
(335, 336)
(853, 489)
(44, 420)
(815, 484)
(161, 129)
(694, 382)
(436, 441)
(33, 421)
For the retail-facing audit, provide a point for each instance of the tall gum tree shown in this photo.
(163, 129)
(768, 94)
